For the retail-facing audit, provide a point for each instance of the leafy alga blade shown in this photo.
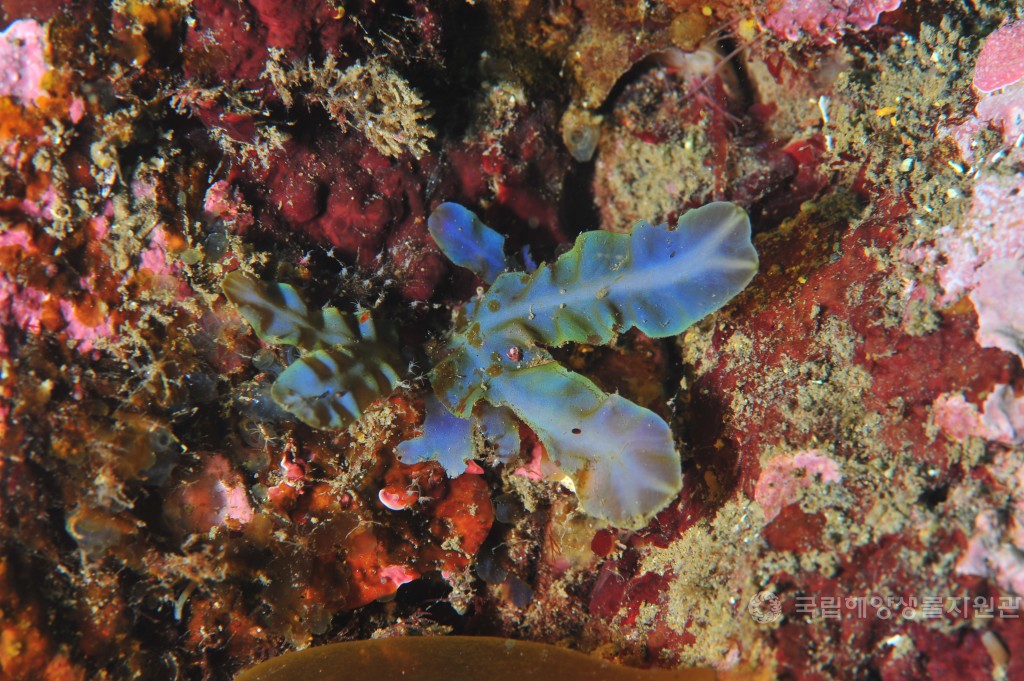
(452, 658)
(450, 440)
(342, 369)
(620, 456)
(446, 438)
(279, 316)
(467, 241)
(656, 279)
(332, 388)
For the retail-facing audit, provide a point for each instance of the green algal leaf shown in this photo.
(344, 367)
(655, 279)
(279, 316)
(446, 438)
(449, 439)
(332, 388)
(498, 426)
(467, 241)
(620, 456)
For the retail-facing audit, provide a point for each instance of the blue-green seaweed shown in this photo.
(344, 367)
(494, 362)
(467, 241)
(620, 456)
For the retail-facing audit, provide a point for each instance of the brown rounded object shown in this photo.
(453, 658)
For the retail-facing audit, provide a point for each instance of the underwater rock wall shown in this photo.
(848, 426)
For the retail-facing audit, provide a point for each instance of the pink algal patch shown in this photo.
(217, 497)
(397, 575)
(100, 227)
(999, 77)
(21, 306)
(993, 230)
(23, 56)
(236, 506)
(1005, 111)
(43, 208)
(294, 471)
(999, 301)
(223, 201)
(1001, 60)
(990, 555)
(396, 500)
(1002, 418)
(996, 549)
(825, 20)
(784, 476)
(144, 190)
(100, 224)
(25, 307)
(76, 110)
(964, 135)
(539, 467)
(155, 257)
(16, 237)
(84, 336)
(957, 417)
(218, 200)
(1002, 110)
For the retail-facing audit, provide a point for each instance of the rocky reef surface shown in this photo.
(850, 426)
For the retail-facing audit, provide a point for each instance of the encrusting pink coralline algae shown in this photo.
(1001, 60)
(825, 20)
(23, 61)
